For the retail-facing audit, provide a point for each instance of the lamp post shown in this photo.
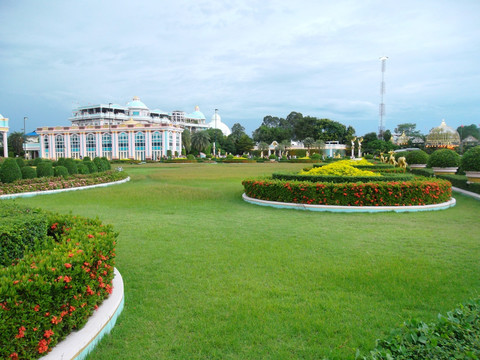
(215, 135)
(24, 136)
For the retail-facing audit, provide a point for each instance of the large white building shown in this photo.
(114, 131)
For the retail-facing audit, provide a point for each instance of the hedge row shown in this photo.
(42, 184)
(419, 191)
(454, 336)
(52, 291)
(460, 181)
(20, 230)
(341, 179)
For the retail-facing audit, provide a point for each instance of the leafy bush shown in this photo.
(45, 169)
(316, 156)
(471, 159)
(86, 158)
(107, 163)
(9, 172)
(71, 166)
(59, 162)
(460, 181)
(339, 168)
(454, 336)
(417, 157)
(272, 156)
(20, 162)
(20, 229)
(444, 158)
(101, 164)
(28, 172)
(82, 169)
(92, 168)
(37, 161)
(405, 193)
(422, 172)
(60, 171)
(190, 157)
(342, 179)
(54, 290)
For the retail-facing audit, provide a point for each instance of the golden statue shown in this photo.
(391, 159)
(402, 162)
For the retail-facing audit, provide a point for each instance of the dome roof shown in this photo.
(197, 114)
(217, 123)
(136, 103)
(443, 136)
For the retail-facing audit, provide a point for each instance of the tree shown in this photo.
(237, 132)
(187, 140)
(308, 142)
(262, 146)
(469, 130)
(245, 144)
(408, 128)
(200, 140)
(15, 143)
(319, 145)
(387, 135)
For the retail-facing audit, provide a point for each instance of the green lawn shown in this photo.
(208, 276)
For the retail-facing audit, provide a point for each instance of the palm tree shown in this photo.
(187, 141)
(200, 140)
(308, 142)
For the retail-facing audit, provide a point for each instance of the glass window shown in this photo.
(75, 143)
(91, 143)
(157, 141)
(123, 141)
(139, 141)
(106, 142)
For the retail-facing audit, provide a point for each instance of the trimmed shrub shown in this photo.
(21, 229)
(454, 336)
(37, 161)
(190, 157)
(71, 166)
(20, 162)
(59, 162)
(460, 181)
(422, 172)
(28, 172)
(55, 289)
(471, 159)
(45, 169)
(342, 179)
(107, 163)
(82, 169)
(417, 157)
(100, 164)
(9, 172)
(272, 156)
(92, 168)
(405, 193)
(87, 158)
(60, 171)
(444, 158)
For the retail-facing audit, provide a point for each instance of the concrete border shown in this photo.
(78, 344)
(350, 209)
(48, 192)
(467, 193)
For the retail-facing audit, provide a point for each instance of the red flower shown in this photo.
(36, 308)
(54, 226)
(67, 265)
(42, 346)
(21, 332)
(70, 255)
(67, 279)
(90, 236)
(14, 356)
(16, 282)
(48, 333)
(56, 320)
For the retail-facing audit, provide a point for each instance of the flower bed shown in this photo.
(393, 193)
(342, 179)
(53, 183)
(54, 290)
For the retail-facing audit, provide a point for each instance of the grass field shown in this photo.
(208, 276)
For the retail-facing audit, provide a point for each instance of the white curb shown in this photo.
(349, 209)
(78, 344)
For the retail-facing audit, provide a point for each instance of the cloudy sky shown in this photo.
(247, 58)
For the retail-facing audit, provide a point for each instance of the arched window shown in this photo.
(157, 144)
(75, 146)
(107, 145)
(46, 143)
(59, 146)
(139, 146)
(91, 146)
(123, 145)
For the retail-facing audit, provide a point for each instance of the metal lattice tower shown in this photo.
(381, 125)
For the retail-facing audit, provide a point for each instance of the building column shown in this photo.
(51, 147)
(5, 144)
(99, 145)
(131, 145)
(115, 145)
(148, 145)
(68, 153)
(83, 145)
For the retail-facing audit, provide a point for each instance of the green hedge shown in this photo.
(10, 171)
(427, 172)
(460, 181)
(45, 169)
(20, 229)
(28, 172)
(52, 183)
(454, 336)
(419, 191)
(341, 179)
(55, 290)
(60, 170)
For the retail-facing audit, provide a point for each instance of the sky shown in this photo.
(249, 59)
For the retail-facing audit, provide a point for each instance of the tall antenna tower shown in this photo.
(381, 125)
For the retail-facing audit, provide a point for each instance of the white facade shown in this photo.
(4, 131)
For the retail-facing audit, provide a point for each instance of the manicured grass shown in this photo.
(208, 276)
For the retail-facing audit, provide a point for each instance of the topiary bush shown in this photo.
(37, 161)
(107, 163)
(417, 157)
(45, 169)
(60, 171)
(59, 162)
(83, 169)
(444, 158)
(28, 172)
(71, 166)
(9, 172)
(190, 157)
(471, 159)
(100, 164)
(20, 162)
(92, 168)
